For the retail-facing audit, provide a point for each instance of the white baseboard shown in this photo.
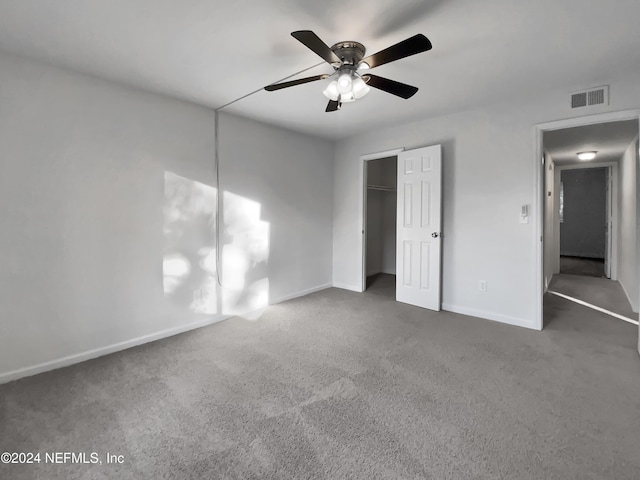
(496, 317)
(344, 286)
(99, 352)
(302, 293)
(634, 308)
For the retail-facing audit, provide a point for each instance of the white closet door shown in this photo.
(418, 248)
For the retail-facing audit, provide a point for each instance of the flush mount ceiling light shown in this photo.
(585, 156)
(347, 60)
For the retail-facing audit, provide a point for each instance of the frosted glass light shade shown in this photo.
(331, 92)
(360, 88)
(345, 84)
(347, 97)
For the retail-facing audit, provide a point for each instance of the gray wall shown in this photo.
(389, 229)
(627, 225)
(583, 234)
(97, 177)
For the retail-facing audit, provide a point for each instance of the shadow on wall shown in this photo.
(189, 263)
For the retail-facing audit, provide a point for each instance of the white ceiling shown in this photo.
(213, 51)
(610, 140)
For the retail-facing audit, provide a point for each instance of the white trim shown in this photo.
(117, 347)
(365, 212)
(618, 116)
(538, 192)
(385, 154)
(582, 166)
(538, 240)
(496, 317)
(301, 293)
(101, 351)
(344, 286)
(594, 307)
(634, 308)
(363, 209)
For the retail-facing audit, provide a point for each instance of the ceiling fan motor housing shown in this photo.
(351, 53)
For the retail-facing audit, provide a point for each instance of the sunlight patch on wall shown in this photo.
(176, 268)
(244, 256)
(189, 244)
(189, 263)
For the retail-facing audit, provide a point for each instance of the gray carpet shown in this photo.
(345, 385)
(601, 292)
(592, 267)
(382, 284)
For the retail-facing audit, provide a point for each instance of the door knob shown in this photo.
(435, 234)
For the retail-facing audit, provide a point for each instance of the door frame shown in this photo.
(612, 218)
(363, 211)
(538, 192)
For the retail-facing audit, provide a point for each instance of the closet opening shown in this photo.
(380, 204)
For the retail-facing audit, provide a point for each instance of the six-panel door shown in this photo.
(419, 234)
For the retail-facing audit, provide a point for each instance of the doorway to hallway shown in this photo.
(590, 216)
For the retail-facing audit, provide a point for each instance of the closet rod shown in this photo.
(382, 188)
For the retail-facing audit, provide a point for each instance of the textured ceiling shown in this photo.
(610, 140)
(212, 52)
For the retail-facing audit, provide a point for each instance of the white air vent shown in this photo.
(590, 97)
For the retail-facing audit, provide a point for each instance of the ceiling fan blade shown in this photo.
(313, 43)
(333, 106)
(292, 83)
(390, 86)
(416, 44)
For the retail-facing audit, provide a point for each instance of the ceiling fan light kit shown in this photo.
(347, 88)
(348, 60)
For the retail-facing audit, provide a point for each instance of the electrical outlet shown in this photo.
(482, 286)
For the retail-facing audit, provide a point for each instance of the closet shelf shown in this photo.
(382, 188)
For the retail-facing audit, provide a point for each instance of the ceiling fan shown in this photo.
(348, 61)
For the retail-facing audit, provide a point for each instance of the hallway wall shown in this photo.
(627, 225)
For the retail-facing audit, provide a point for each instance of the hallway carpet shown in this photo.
(601, 292)
(591, 267)
(344, 385)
